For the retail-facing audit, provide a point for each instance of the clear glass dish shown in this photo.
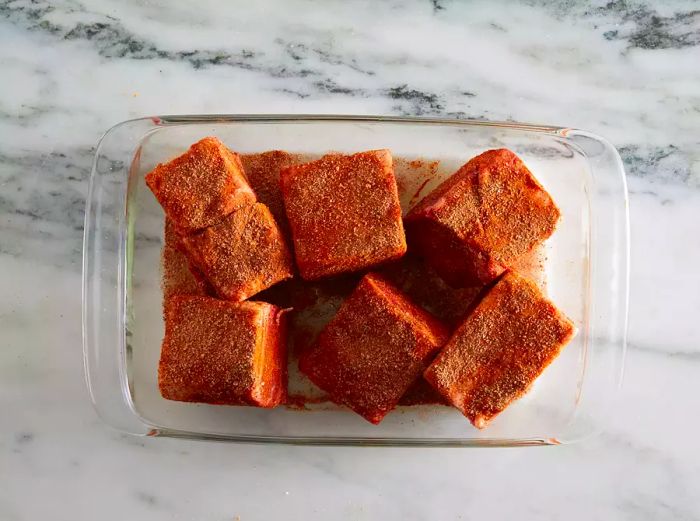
(586, 268)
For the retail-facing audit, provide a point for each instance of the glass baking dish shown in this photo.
(586, 269)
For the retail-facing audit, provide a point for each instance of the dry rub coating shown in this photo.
(263, 173)
(493, 357)
(479, 221)
(242, 255)
(224, 353)
(200, 187)
(374, 348)
(344, 213)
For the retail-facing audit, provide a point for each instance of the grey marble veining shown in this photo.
(627, 70)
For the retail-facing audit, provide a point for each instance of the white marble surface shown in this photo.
(626, 70)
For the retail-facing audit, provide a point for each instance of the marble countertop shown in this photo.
(626, 70)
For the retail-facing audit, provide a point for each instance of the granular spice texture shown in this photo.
(494, 356)
(202, 186)
(374, 348)
(421, 283)
(179, 276)
(242, 255)
(425, 287)
(480, 220)
(263, 173)
(223, 353)
(344, 213)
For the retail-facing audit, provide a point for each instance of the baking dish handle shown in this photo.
(105, 278)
